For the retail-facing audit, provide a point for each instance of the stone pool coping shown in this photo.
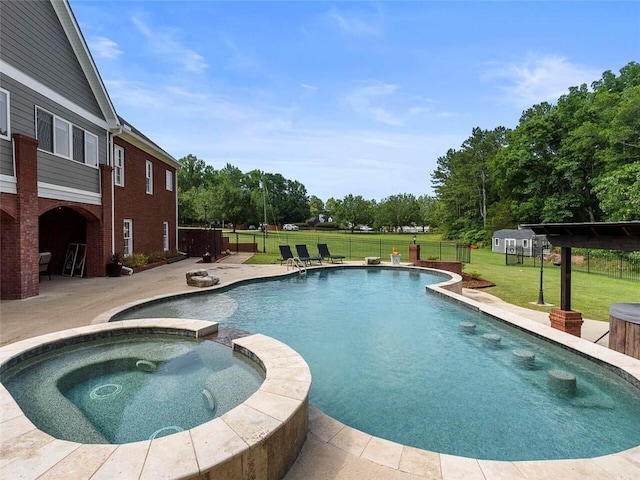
(261, 437)
(336, 450)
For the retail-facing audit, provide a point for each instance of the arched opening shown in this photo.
(58, 228)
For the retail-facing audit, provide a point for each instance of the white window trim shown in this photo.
(120, 167)
(496, 242)
(57, 143)
(130, 237)
(165, 236)
(8, 96)
(169, 180)
(149, 177)
(87, 149)
(56, 118)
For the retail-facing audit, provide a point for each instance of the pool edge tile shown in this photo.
(172, 456)
(383, 452)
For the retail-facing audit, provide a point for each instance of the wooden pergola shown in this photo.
(624, 236)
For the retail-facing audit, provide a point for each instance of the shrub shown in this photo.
(135, 260)
(327, 226)
(156, 257)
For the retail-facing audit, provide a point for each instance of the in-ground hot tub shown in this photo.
(624, 328)
(263, 435)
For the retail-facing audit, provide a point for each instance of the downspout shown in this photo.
(175, 190)
(112, 133)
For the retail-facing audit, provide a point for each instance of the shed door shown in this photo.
(510, 245)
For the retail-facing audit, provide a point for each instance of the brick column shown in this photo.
(25, 274)
(99, 232)
(414, 253)
(568, 321)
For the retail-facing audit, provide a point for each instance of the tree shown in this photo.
(316, 206)
(619, 193)
(398, 210)
(357, 211)
(231, 201)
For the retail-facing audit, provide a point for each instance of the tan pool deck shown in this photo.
(332, 450)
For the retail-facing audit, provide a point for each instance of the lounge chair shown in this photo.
(43, 264)
(285, 253)
(303, 255)
(323, 252)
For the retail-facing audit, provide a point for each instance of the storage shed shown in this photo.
(514, 240)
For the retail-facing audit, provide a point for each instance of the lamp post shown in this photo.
(414, 239)
(543, 244)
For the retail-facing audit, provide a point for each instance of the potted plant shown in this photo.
(114, 268)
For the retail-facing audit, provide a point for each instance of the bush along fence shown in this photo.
(609, 263)
(354, 247)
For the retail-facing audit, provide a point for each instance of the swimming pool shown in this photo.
(389, 358)
(129, 388)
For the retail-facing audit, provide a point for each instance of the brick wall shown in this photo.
(414, 258)
(147, 212)
(19, 238)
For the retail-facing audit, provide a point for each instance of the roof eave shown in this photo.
(148, 147)
(71, 28)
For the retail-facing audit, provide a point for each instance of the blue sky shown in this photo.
(345, 96)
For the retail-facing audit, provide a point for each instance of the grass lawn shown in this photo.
(590, 294)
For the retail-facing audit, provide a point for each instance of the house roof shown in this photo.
(607, 235)
(144, 143)
(117, 125)
(516, 233)
(74, 35)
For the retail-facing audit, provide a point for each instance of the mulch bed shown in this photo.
(469, 282)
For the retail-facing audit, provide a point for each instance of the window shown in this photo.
(149, 177)
(525, 243)
(45, 130)
(169, 180)
(496, 242)
(127, 247)
(57, 136)
(118, 165)
(62, 132)
(165, 236)
(90, 149)
(4, 114)
(78, 144)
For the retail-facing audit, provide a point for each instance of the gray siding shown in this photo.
(34, 42)
(53, 169)
(6, 158)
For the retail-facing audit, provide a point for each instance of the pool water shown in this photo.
(390, 358)
(131, 388)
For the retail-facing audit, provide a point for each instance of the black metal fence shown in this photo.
(609, 263)
(353, 246)
(623, 265)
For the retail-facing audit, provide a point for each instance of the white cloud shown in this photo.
(239, 59)
(385, 103)
(309, 89)
(104, 47)
(365, 101)
(538, 78)
(352, 25)
(162, 42)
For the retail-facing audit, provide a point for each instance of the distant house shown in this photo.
(514, 241)
(75, 179)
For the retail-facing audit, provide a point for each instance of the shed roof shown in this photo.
(516, 233)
